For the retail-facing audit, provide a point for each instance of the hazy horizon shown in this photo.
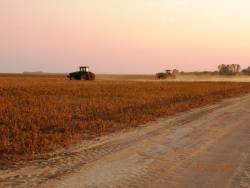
(123, 37)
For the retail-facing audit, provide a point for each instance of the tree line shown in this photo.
(229, 69)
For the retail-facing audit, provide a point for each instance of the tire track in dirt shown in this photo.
(161, 164)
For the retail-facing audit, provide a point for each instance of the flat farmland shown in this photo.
(39, 114)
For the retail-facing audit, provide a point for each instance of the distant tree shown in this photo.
(247, 70)
(238, 68)
(229, 69)
(175, 71)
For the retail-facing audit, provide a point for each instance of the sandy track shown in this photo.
(206, 147)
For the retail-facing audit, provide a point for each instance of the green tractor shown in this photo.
(83, 74)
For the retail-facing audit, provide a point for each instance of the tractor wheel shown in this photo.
(87, 76)
(91, 76)
(83, 77)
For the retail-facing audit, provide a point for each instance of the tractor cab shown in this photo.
(168, 72)
(84, 69)
(83, 74)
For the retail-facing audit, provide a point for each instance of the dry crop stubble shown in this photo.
(40, 114)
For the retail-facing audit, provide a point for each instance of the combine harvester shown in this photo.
(169, 74)
(83, 74)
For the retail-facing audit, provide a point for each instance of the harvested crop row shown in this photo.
(40, 114)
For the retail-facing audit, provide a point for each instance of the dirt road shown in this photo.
(206, 147)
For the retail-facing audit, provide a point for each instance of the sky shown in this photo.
(123, 36)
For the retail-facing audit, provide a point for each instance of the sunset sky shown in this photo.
(123, 36)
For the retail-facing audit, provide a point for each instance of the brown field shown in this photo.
(179, 78)
(41, 113)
